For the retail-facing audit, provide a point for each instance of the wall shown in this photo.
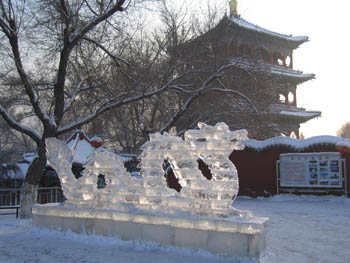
(257, 169)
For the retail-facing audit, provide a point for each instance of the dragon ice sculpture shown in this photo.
(198, 195)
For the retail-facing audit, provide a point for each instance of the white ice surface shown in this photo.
(302, 229)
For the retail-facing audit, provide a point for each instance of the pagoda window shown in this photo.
(288, 61)
(290, 98)
(278, 59)
(282, 99)
(244, 51)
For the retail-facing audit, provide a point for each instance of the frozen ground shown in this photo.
(301, 229)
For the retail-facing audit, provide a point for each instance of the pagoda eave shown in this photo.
(244, 24)
(299, 117)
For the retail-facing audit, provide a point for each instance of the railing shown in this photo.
(11, 197)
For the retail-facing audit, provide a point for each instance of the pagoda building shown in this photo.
(264, 55)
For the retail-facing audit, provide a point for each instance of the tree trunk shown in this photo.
(29, 191)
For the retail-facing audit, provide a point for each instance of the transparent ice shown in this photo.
(198, 196)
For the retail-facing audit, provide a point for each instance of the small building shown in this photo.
(257, 163)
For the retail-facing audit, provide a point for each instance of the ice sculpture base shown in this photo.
(232, 237)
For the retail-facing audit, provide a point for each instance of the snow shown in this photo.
(275, 69)
(300, 113)
(23, 168)
(301, 229)
(279, 70)
(96, 139)
(343, 144)
(294, 143)
(29, 157)
(245, 24)
(83, 149)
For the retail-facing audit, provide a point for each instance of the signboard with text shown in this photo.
(311, 170)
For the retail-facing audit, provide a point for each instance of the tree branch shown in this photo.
(17, 126)
(70, 40)
(5, 28)
(73, 96)
(13, 40)
(195, 95)
(109, 106)
(115, 58)
(81, 31)
(235, 92)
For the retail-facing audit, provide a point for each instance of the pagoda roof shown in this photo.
(252, 27)
(291, 73)
(277, 70)
(302, 116)
(294, 113)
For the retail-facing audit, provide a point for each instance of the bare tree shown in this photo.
(46, 34)
(47, 44)
(344, 131)
(79, 63)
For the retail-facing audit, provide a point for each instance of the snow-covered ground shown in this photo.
(301, 229)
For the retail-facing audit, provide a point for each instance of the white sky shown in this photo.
(326, 54)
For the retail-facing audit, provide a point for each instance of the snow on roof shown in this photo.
(96, 139)
(306, 114)
(343, 144)
(245, 24)
(29, 157)
(284, 71)
(81, 150)
(275, 69)
(16, 171)
(294, 143)
(81, 146)
(23, 167)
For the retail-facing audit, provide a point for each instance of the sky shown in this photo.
(326, 54)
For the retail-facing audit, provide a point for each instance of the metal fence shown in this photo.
(12, 197)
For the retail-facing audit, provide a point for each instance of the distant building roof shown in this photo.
(293, 112)
(249, 26)
(81, 147)
(295, 143)
(277, 70)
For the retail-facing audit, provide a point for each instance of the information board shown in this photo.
(311, 170)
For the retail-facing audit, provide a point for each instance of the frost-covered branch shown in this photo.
(196, 94)
(73, 96)
(114, 57)
(79, 32)
(19, 127)
(10, 31)
(235, 92)
(71, 39)
(109, 106)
